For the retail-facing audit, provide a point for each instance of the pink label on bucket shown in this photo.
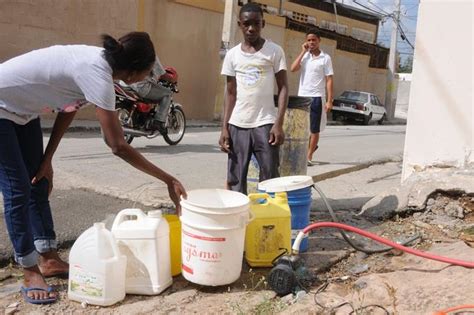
(187, 269)
(204, 238)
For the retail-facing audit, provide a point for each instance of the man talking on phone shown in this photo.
(316, 82)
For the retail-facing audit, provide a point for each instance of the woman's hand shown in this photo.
(45, 170)
(175, 191)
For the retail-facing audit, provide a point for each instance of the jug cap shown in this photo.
(287, 183)
(155, 214)
(99, 225)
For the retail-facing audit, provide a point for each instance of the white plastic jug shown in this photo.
(96, 268)
(144, 239)
(213, 232)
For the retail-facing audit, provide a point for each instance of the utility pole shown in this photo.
(228, 38)
(335, 13)
(228, 27)
(391, 91)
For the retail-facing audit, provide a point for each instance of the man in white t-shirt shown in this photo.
(251, 123)
(315, 80)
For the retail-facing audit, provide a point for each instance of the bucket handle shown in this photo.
(110, 237)
(243, 222)
(249, 219)
(114, 243)
(121, 216)
(194, 208)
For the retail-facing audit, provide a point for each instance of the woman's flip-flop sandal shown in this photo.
(24, 292)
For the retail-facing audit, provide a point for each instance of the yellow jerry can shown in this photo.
(175, 243)
(268, 235)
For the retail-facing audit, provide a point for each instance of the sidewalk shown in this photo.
(79, 125)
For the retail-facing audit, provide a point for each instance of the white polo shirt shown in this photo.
(313, 74)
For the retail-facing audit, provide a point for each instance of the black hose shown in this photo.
(347, 239)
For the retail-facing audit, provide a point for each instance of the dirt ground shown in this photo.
(345, 281)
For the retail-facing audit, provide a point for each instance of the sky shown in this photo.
(408, 18)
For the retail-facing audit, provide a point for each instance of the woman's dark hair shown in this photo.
(313, 31)
(251, 7)
(132, 52)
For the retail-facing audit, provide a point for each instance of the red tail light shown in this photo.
(170, 75)
(143, 107)
(360, 106)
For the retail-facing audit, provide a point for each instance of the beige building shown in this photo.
(187, 35)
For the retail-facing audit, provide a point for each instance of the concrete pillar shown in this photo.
(440, 116)
(229, 26)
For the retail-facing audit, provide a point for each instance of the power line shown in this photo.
(386, 14)
(369, 1)
(413, 6)
(370, 9)
(404, 37)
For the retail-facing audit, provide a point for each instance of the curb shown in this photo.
(350, 169)
(49, 129)
(79, 128)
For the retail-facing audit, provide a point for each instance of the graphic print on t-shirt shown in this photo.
(252, 76)
(68, 108)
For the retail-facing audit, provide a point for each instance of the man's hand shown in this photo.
(176, 191)
(277, 135)
(224, 140)
(328, 106)
(45, 170)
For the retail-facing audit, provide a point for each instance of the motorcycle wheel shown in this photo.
(176, 126)
(129, 138)
(124, 118)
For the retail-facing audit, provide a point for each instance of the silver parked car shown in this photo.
(357, 105)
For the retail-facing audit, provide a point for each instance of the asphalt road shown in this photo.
(92, 185)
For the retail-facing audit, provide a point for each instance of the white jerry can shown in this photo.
(96, 268)
(144, 239)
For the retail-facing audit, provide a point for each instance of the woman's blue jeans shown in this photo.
(27, 210)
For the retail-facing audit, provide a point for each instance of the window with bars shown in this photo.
(332, 26)
(363, 35)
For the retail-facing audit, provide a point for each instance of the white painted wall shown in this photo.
(440, 117)
(403, 95)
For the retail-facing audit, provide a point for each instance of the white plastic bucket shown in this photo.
(213, 234)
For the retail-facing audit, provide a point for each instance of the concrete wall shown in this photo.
(403, 96)
(321, 15)
(440, 117)
(29, 24)
(186, 33)
(189, 39)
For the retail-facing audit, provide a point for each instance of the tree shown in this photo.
(407, 65)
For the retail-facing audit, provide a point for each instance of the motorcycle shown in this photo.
(137, 115)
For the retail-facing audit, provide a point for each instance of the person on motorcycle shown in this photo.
(60, 79)
(152, 90)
